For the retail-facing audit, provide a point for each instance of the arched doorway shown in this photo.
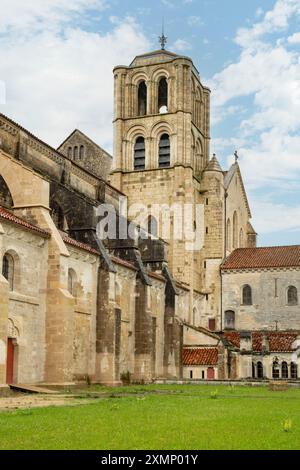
(12, 353)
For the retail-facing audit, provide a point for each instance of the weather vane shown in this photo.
(236, 156)
(163, 39)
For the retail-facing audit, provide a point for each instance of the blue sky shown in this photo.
(56, 74)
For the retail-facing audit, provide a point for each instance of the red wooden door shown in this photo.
(10, 361)
(211, 373)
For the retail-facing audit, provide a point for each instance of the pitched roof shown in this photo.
(90, 249)
(235, 168)
(233, 337)
(10, 217)
(279, 341)
(200, 356)
(82, 134)
(213, 165)
(264, 257)
(77, 244)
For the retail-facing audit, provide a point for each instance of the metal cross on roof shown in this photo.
(163, 39)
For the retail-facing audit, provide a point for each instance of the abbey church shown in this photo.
(78, 307)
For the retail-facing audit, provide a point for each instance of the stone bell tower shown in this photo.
(161, 141)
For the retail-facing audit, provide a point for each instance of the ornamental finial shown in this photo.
(163, 39)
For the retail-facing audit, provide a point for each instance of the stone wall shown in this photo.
(269, 295)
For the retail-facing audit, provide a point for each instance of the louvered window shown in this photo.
(164, 151)
(139, 154)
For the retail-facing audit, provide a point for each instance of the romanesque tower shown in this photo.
(161, 149)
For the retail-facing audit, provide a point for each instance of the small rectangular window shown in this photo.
(203, 374)
(191, 374)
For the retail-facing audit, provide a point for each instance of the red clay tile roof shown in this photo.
(266, 257)
(82, 246)
(279, 341)
(200, 356)
(233, 337)
(124, 263)
(10, 217)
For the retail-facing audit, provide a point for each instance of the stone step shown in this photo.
(27, 388)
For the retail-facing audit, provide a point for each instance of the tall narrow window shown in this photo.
(8, 270)
(284, 370)
(76, 153)
(235, 231)
(70, 151)
(260, 370)
(72, 282)
(228, 235)
(163, 96)
(139, 154)
(275, 370)
(142, 99)
(241, 240)
(81, 152)
(247, 295)
(292, 295)
(294, 370)
(152, 225)
(164, 151)
(229, 320)
(212, 324)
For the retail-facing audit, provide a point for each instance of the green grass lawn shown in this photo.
(179, 417)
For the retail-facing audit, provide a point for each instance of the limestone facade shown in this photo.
(75, 308)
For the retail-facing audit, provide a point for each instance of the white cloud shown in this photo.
(2, 92)
(46, 14)
(270, 75)
(294, 39)
(270, 217)
(181, 45)
(59, 79)
(195, 21)
(274, 20)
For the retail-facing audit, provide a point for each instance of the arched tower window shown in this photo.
(229, 320)
(142, 99)
(247, 295)
(292, 296)
(8, 270)
(235, 230)
(164, 151)
(75, 154)
(72, 282)
(152, 225)
(139, 154)
(163, 96)
(228, 235)
(70, 151)
(81, 152)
